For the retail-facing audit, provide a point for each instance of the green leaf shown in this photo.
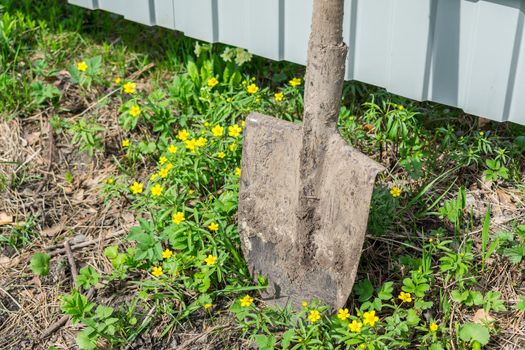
(87, 277)
(470, 332)
(265, 342)
(435, 346)
(86, 339)
(521, 304)
(515, 254)
(364, 290)
(287, 338)
(111, 252)
(40, 264)
(103, 312)
(385, 292)
(458, 296)
(412, 317)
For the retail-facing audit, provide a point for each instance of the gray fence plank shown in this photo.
(464, 53)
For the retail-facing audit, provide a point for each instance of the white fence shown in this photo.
(464, 53)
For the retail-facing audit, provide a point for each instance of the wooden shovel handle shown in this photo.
(325, 70)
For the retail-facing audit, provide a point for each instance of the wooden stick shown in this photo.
(71, 261)
(83, 244)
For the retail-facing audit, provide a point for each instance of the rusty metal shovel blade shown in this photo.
(268, 224)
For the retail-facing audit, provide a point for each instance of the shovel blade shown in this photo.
(268, 203)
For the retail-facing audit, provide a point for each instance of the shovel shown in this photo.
(304, 192)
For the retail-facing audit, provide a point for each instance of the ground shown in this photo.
(66, 172)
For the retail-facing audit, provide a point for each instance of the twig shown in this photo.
(139, 72)
(71, 261)
(83, 244)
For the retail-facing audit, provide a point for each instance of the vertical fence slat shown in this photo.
(196, 18)
(164, 16)
(517, 102)
(89, 4)
(134, 10)
(297, 20)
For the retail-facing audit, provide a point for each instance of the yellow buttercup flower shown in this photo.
(213, 226)
(400, 107)
(370, 318)
(167, 254)
(221, 155)
(134, 111)
(343, 314)
(153, 177)
(207, 306)
(129, 87)
(252, 89)
(178, 217)
(295, 82)
(156, 190)
(191, 144)
(481, 133)
(163, 173)
(314, 316)
(172, 149)
(395, 192)
(162, 160)
(117, 80)
(229, 100)
(136, 188)
(169, 166)
(217, 131)
(201, 141)
(246, 301)
(212, 82)
(304, 304)
(237, 171)
(157, 271)
(210, 260)
(355, 326)
(405, 297)
(232, 147)
(433, 327)
(82, 66)
(234, 130)
(125, 143)
(183, 135)
(279, 96)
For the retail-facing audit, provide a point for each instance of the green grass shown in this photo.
(434, 246)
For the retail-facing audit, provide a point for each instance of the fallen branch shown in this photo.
(81, 245)
(71, 260)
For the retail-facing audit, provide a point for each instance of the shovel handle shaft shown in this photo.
(325, 70)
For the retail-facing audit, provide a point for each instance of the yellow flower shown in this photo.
(178, 217)
(433, 327)
(355, 326)
(153, 177)
(370, 318)
(237, 171)
(207, 306)
(167, 254)
(163, 173)
(82, 66)
(210, 260)
(343, 314)
(212, 82)
(304, 304)
(134, 111)
(109, 181)
(191, 144)
(229, 100)
(481, 133)
(295, 82)
(405, 297)
(395, 192)
(400, 107)
(213, 226)
(252, 89)
(232, 147)
(156, 190)
(279, 96)
(246, 301)
(314, 316)
(129, 87)
(157, 271)
(221, 155)
(217, 130)
(172, 149)
(136, 188)
(169, 166)
(162, 160)
(234, 130)
(201, 141)
(117, 80)
(243, 124)
(125, 143)
(183, 135)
